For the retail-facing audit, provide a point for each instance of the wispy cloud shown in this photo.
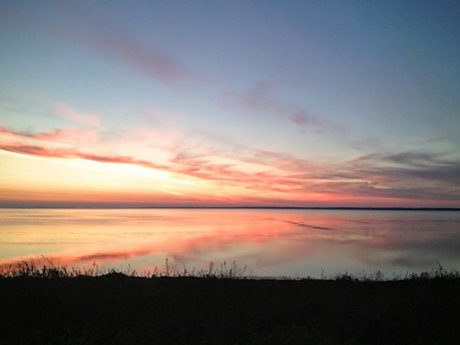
(409, 165)
(57, 138)
(99, 32)
(260, 98)
(83, 118)
(70, 153)
(381, 177)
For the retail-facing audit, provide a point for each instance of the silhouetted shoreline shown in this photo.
(116, 308)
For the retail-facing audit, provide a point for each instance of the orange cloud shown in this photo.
(241, 174)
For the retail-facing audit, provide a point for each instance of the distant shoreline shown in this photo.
(89, 207)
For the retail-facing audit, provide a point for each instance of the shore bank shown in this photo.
(120, 309)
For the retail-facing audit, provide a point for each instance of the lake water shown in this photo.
(270, 242)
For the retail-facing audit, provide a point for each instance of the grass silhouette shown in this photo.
(45, 268)
(222, 304)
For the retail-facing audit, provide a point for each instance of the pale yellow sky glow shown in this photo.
(29, 177)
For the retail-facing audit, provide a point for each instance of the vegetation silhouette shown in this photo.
(224, 305)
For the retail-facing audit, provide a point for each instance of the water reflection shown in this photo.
(270, 242)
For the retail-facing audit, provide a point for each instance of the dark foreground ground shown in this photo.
(116, 309)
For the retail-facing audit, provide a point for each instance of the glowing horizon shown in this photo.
(242, 104)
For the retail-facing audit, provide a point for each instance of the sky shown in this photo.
(230, 103)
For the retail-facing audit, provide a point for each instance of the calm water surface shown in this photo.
(270, 242)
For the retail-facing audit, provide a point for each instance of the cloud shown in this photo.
(70, 153)
(409, 176)
(35, 151)
(260, 99)
(202, 166)
(58, 138)
(409, 165)
(101, 33)
(181, 164)
(84, 118)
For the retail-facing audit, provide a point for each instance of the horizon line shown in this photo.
(363, 208)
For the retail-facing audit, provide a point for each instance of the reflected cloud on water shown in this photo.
(270, 242)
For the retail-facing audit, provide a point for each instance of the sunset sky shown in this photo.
(230, 103)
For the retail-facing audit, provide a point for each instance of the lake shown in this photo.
(270, 242)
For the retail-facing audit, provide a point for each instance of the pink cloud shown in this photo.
(83, 118)
(195, 166)
(71, 153)
(364, 180)
(58, 138)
